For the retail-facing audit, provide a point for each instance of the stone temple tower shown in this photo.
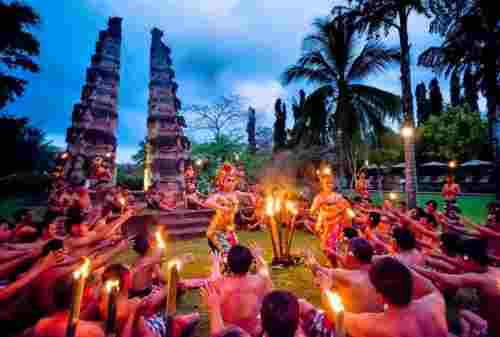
(167, 148)
(92, 136)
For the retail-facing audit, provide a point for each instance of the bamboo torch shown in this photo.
(292, 210)
(274, 235)
(171, 290)
(79, 277)
(336, 305)
(112, 288)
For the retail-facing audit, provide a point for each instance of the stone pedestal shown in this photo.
(92, 136)
(167, 148)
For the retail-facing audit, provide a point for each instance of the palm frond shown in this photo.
(385, 105)
(374, 58)
(313, 67)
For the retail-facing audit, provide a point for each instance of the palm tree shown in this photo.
(374, 16)
(471, 31)
(337, 58)
(18, 46)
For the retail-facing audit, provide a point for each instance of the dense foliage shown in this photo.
(18, 47)
(457, 134)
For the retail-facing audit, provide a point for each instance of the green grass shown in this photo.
(296, 279)
(473, 207)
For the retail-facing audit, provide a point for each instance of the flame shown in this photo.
(452, 164)
(290, 206)
(198, 162)
(108, 155)
(327, 171)
(393, 196)
(176, 262)
(351, 213)
(159, 240)
(122, 201)
(83, 270)
(335, 301)
(112, 284)
(64, 155)
(269, 206)
(277, 205)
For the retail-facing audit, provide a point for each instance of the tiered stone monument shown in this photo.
(92, 136)
(167, 148)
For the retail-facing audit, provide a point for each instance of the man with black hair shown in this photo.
(56, 324)
(413, 306)
(478, 275)
(280, 314)
(353, 283)
(406, 246)
(241, 293)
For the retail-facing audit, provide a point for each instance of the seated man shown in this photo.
(242, 293)
(353, 284)
(414, 307)
(194, 199)
(143, 316)
(406, 248)
(55, 325)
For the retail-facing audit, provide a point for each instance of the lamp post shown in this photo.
(408, 134)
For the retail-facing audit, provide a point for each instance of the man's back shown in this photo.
(56, 327)
(359, 295)
(241, 301)
(424, 317)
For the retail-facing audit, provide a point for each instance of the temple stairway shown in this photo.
(178, 224)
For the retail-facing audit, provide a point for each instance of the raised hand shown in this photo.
(257, 251)
(210, 296)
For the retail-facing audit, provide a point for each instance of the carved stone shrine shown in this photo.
(92, 136)
(167, 148)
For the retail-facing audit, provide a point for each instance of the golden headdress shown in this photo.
(224, 171)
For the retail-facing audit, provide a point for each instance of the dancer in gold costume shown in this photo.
(221, 232)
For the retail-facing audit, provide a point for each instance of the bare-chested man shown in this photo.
(478, 275)
(242, 293)
(55, 325)
(353, 283)
(414, 307)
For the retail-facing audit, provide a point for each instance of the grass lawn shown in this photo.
(473, 207)
(296, 279)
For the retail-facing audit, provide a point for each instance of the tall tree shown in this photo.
(225, 117)
(375, 16)
(422, 103)
(471, 89)
(455, 88)
(311, 127)
(18, 47)
(337, 58)
(252, 143)
(436, 98)
(279, 132)
(471, 32)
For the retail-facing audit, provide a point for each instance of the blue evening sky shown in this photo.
(218, 47)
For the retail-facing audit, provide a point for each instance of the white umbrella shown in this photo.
(477, 163)
(400, 165)
(434, 163)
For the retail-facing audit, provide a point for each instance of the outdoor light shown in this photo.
(407, 131)
(367, 163)
(108, 155)
(199, 162)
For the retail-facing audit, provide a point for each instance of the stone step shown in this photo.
(186, 233)
(184, 223)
